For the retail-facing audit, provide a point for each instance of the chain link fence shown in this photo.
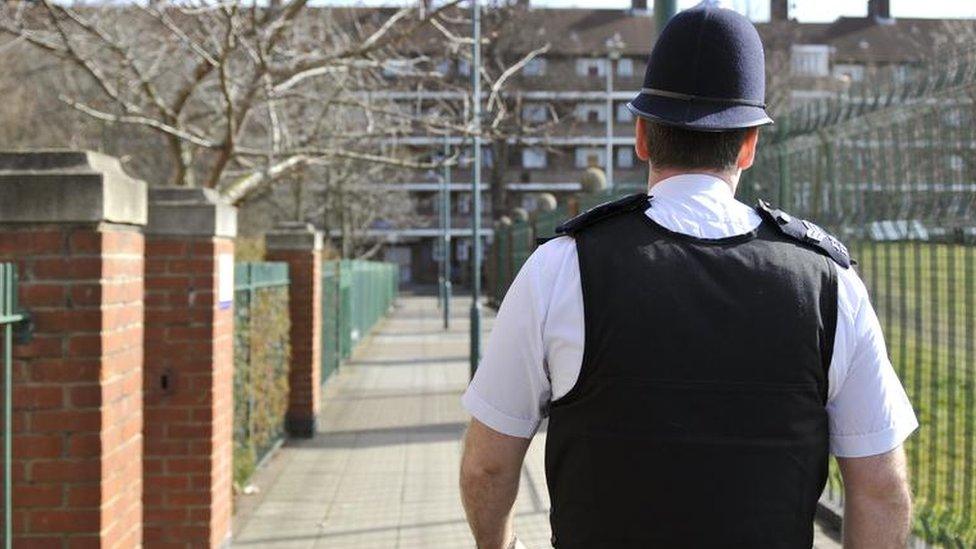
(261, 361)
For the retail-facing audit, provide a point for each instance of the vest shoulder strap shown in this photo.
(806, 232)
(606, 210)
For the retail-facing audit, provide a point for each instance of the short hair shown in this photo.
(673, 147)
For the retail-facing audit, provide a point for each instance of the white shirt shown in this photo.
(535, 351)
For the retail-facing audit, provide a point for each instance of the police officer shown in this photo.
(698, 359)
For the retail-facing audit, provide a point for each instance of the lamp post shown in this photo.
(615, 46)
(664, 10)
(446, 237)
(475, 351)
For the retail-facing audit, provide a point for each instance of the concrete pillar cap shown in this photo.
(190, 211)
(64, 186)
(294, 235)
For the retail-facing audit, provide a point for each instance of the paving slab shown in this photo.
(382, 470)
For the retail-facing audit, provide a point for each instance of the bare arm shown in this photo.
(490, 468)
(877, 501)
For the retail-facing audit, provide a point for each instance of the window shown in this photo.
(591, 112)
(464, 204)
(397, 67)
(462, 249)
(854, 73)
(625, 67)
(443, 67)
(535, 112)
(466, 159)
(590, 156)
(956, 162)
(464, 67)
(625, 157)
(810, 60)
(591, 66)
(534, 158)
(535, 67)
(624, 114)
(901, 73)
(953, 117)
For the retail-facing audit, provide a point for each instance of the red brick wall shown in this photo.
(189, 341)
(305, 311)
(77, 387)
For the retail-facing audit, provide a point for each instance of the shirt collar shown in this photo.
(691, 185)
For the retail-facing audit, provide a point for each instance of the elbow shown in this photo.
(891, 492)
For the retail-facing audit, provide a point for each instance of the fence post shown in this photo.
(72, 222)
(300, 245)
(188, 384)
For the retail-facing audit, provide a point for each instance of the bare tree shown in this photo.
(241, 95)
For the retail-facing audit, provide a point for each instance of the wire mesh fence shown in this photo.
(355, 295)
(261, 360)
(893, 174)
(513, 244)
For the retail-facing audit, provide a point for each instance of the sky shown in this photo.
(804, 10)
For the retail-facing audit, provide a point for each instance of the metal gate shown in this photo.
(9, 316)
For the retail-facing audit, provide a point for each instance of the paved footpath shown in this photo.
(382, 471)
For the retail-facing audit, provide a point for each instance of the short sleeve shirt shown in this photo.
(534, 353)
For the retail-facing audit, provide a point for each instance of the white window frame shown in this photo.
(810, 60)
(535, 67)
(625, 158)
(534, 158)
(583, 111)
(535, 112)
(625, 67)
(394, 68)
(623, 113)
(583, 155)
(583, 65)
(854, 72)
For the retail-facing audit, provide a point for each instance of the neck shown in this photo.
(656, 176)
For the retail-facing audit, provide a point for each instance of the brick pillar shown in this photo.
(72, 222)
(300, 245)
(188, 387)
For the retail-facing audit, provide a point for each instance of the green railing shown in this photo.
(10, 314)
(513, 244)
(894, 176)
(355, 295)
(261, 362)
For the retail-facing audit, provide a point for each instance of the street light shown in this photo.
(475, 337)
(615, 46)
(446, 236)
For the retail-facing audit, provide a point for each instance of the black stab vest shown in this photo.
(699, 418)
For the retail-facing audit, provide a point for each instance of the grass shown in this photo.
(925, 295)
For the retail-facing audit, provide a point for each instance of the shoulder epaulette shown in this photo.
(806, 232)
(603, 211)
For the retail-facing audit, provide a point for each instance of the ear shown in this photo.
(747, 154)
(641, 145)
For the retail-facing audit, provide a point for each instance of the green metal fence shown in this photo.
(894, 176)
(10, 314)
(513, 244)
(261, 362)
(355, 295)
